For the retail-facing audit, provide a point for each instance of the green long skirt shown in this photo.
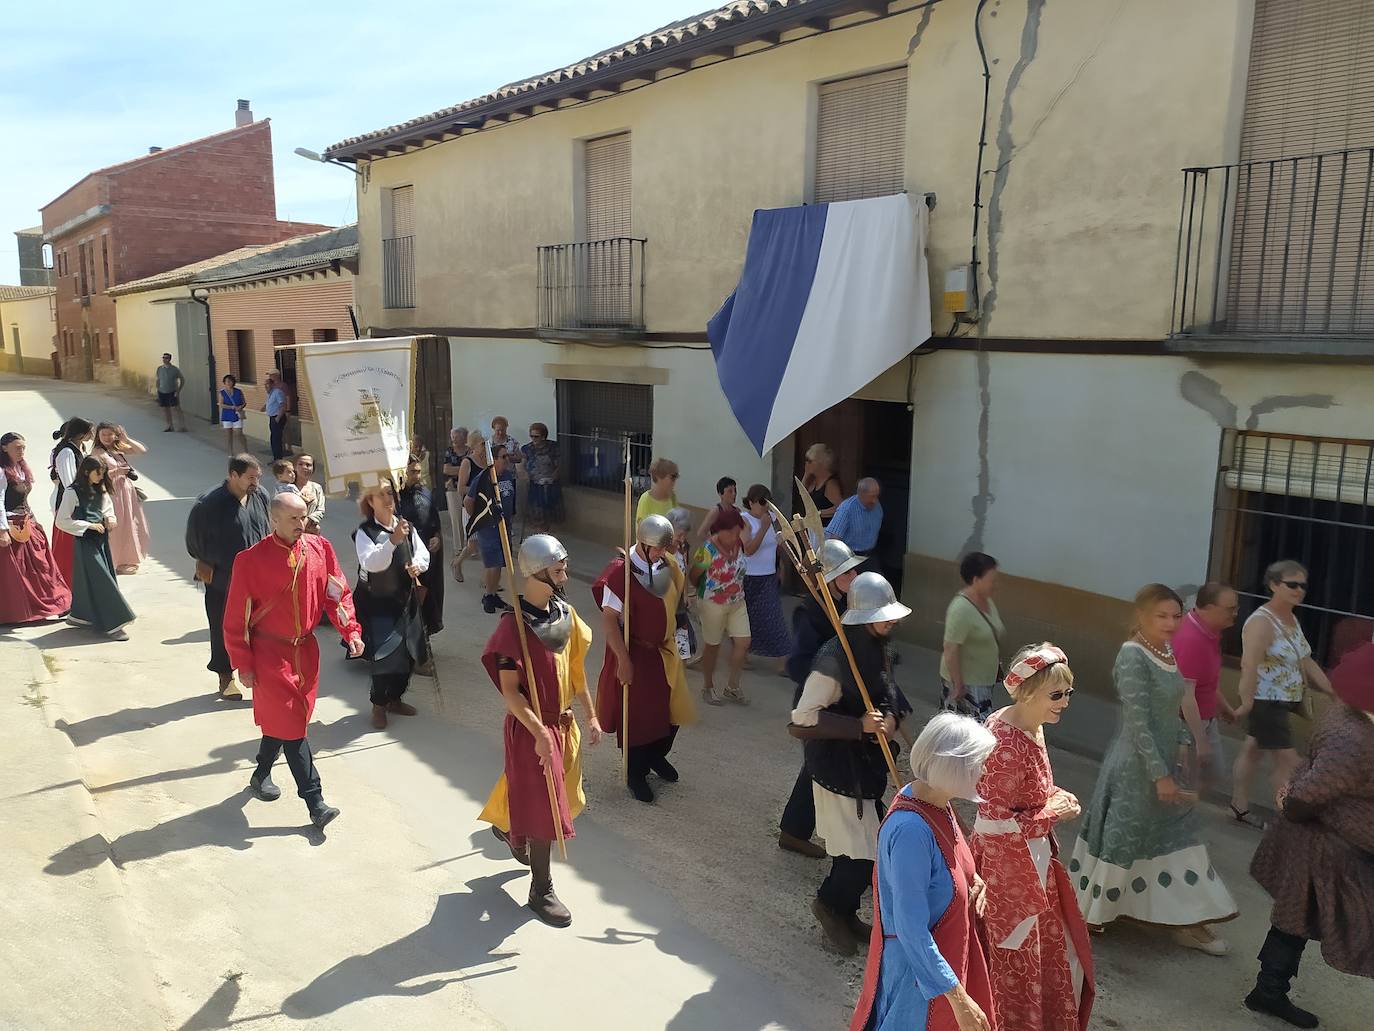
(95, 592)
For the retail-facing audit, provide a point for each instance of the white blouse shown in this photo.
(375, 557)
(77, 527)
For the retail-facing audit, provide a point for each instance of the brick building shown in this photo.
(156, 212)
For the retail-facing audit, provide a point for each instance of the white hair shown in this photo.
(867, 483)
(950, 753)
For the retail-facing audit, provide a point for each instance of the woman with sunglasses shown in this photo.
(1139, 855)
(1040, 959)
(1276, 666)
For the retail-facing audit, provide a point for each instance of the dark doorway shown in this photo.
(869, 438)
(433, 403)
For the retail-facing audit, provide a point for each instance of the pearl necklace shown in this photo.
(1167, 655)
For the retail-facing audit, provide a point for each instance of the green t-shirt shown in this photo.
(978, 649)
(650, 505)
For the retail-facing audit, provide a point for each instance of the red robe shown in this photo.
(652, 651)
(276, 595)
(958, 933)
(527, 784)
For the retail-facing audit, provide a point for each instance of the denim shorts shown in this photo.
(489, 547)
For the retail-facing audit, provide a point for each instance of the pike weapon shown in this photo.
(808, 524)
(494, 508)
(625, 619)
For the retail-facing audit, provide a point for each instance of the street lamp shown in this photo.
(311, 155)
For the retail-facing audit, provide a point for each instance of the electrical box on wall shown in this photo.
(959, 290)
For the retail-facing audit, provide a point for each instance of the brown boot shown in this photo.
(521, 855)
(542, 899)
(379, 717)
(801, 846)
(400, 708)
(836, 928)
(861, 929)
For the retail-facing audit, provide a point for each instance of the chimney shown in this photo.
(244, 115)
(153, 150)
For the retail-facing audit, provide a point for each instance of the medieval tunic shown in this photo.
(129, 540)
(416, 505)
(1041, 960)
(65, 458)
(393, 630)
(95, 593)
(659, 700)
(1317, 861)
(31, 585)
(519, 804)
(1136, 856)
(275, 600)
(926, 935)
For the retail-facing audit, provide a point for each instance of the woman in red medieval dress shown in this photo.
(1040, 958)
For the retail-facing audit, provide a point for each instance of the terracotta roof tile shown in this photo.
(23, 293)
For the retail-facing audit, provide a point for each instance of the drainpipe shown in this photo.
(204, 302)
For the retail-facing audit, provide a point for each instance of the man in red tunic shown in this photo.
(519, 809)
(278, 590)
(659, 701)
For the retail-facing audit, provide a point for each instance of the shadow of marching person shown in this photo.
(223, 824)
(466, 930)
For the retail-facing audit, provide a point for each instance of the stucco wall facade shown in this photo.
(147, 326)
(36, 323)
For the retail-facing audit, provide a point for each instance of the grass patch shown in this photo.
(50, 661)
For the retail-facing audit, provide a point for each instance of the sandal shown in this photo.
(711, 696)
(1243, 816)
(734, 694)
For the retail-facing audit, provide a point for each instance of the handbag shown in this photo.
(1001, 670)
(22, 530)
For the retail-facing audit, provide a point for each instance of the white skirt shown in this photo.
(846, 833)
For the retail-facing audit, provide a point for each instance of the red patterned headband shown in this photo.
(1040, 659)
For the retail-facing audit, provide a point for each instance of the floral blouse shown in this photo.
(723, 581)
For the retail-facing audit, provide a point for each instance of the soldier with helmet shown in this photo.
(558, 641)
(811, 628)
(848, 772)
(651, 665)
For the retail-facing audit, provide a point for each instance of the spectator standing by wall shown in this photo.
(768, 633)
(453, 460)
(820, 481)
(278, 409)
(727, 491)
(496, 480)
(858, 518)
(232, 405)
(718, 570)
(661, 497)
(169, 384)
(468, 470)
(1197, 650)
(971, 663)
(311, 492)
(545, 501)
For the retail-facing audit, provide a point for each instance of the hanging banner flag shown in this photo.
(831, 296)
(362, 392)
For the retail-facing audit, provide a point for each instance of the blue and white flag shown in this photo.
(831, 296)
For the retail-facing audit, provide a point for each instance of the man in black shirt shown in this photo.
(223, 522)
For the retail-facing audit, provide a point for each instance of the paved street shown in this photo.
(147, 889)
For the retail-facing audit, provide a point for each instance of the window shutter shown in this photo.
(606, 168)
(1310, 89)
(402, 212)
(861, 137)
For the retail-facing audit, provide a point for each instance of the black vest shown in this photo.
(16, 492)
(52, 468)
(855, 769)
(393, 583)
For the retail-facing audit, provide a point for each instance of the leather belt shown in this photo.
(290, 642)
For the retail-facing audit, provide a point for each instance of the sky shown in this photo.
(86, 84)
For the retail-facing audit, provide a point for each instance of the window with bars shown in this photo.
(1281, 496)
(861, 137)
(398, 249)
(594, 420)
(243, 365)
(323, 336)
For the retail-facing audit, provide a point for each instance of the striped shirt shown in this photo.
(855, 525)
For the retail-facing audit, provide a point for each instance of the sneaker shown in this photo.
(501, 603)
(489, 603)
(263, 789)
(323, 816)
(1280, 1006)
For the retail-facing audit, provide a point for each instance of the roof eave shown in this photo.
(327, 264)
(815, 15)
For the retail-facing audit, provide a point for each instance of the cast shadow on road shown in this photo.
(466, 930)
(124, 721)
(223, 824)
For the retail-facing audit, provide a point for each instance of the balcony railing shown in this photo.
(592, 289)
(398, 272)
(1277, 248)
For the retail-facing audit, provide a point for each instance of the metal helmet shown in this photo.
(655, 532)
(539, 552)
(681, 520)
(836, 558)
(872, 600)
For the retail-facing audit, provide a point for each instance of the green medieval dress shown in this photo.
(96, 598)
(1136, 856)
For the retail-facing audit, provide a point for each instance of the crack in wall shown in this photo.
(921, 26)
(1030, 43)
(984, 499)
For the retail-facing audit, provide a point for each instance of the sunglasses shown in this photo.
(1056, 696)
(1296, 585)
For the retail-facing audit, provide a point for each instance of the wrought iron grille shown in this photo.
(593, 286)
(1303, 498)
(594, 419)
(398, 272)
(1276, 247)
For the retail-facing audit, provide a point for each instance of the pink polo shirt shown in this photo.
(1198, 653)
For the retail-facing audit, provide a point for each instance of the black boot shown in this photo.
(542, 899)
(666, 770)
(321, 814)
(638, 760)
(262, 787)
(1279, 958)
